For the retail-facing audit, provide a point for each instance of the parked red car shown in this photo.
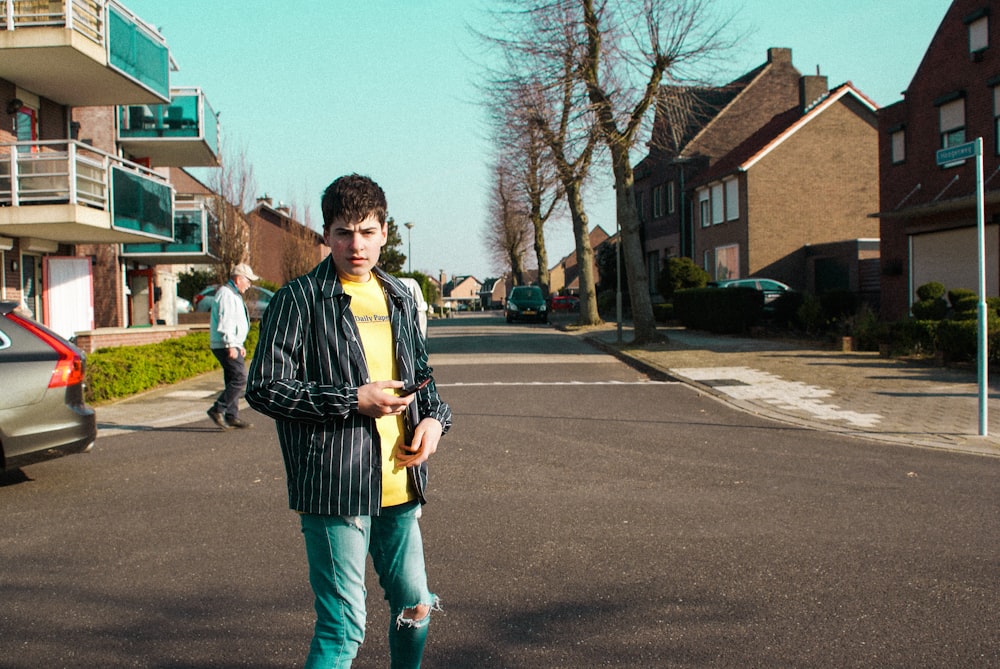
(565, 303)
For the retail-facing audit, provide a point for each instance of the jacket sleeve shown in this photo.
(285, 381)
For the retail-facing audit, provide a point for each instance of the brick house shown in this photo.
(564, 276)
(282, 248)
(781, 203)
(927, 212)
(747, 178)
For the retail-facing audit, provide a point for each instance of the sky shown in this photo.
(311, 90)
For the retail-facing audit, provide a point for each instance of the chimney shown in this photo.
(779, 55)
(265, 199)
(811, 89)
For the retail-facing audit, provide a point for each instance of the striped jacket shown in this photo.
(305, 375)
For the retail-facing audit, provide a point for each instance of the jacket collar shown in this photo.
(330, 286)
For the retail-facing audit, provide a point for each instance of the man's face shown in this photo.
(355, 247)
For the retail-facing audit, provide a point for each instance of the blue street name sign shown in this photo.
(956, 153)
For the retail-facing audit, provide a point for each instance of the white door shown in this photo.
(69, 295)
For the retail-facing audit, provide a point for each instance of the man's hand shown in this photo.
(426, 436)
(236, 351)
(373, 401)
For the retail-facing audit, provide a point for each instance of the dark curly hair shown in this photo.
(353, 198)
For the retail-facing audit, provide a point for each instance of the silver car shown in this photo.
(42, 410)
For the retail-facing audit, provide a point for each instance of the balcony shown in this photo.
(195, 240)
(184, 133)
(69, 192)
(82, 52)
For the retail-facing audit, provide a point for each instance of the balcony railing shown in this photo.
(184, 133)
(130, 47)
(194, 234)
(70, 172)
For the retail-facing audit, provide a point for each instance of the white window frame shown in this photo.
(721, 254)
(671, 208)
(704, 208)
(718, 209)
(658, 207)
(732, 188)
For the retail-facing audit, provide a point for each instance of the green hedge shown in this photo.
(722, 310)
(121, 371)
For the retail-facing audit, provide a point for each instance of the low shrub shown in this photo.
(121, 371)
(721, 310)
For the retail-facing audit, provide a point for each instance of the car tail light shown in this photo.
(69, 367)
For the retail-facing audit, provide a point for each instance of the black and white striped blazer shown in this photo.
(305, 374)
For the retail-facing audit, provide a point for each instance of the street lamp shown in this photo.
(409, 243)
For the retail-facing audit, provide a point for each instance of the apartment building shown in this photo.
(88, 125)
(927, 212)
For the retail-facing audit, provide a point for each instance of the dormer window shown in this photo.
(979, 31)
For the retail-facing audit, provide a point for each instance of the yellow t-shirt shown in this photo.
(372, 317)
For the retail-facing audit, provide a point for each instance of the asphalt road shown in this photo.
(580, 516)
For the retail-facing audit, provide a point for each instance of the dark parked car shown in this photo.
(526, 303)
(42, 412)
(256, 298)
(772, 289)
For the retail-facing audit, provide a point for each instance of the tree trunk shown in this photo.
(542, 255)
(584, 256)
(643, 321)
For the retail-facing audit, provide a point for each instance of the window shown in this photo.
(979, 32)
(704, 208)
(996, 119)
(727, 262)
(652, 270)
(951, 116)
(717, 209)
(670, 197)
(732, 199)
(658, 204)
(26, 124)
(897, 142)
(639, 200)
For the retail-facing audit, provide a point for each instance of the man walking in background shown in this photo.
(229, 329)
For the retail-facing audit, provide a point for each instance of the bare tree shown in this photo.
(233, 188)
(531, 180)
(299, 247)
(509, 229)
(630, 48)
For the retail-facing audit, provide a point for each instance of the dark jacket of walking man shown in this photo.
(336, 348)
(229, 328)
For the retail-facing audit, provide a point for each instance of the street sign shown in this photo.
(955, 153)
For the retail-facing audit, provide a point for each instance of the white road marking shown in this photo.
(744, 383)
(554, 383)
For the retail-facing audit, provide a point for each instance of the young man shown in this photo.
(229, 328)
(335, 348)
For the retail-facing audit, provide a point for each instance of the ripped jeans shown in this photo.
(337, 549)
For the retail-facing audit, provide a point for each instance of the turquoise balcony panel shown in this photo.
(193, 233)
(83, 52)
(184, 133)
(139, 203)
(70, 192)
(136, 51)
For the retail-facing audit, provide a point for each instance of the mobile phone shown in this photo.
(409, 390)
